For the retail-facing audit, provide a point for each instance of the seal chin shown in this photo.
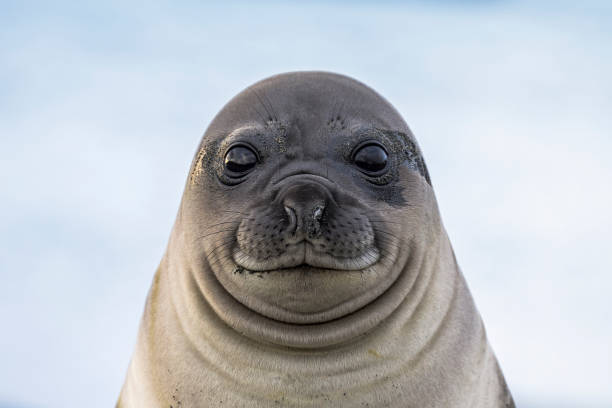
(306, 254)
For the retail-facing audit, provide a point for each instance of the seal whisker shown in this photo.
(223, 260)
(223, 244)
(235, 212)
(384, 222)
(221, 223)
(274, 115)
(213, 233)
(385, 232)
(262, 117)
(270, 116)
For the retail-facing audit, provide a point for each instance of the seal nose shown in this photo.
(305, 206)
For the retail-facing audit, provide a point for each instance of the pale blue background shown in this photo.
(102, 106)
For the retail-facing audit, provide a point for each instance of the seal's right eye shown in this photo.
(239, 160)
(371, 158)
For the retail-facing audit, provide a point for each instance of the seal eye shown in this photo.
(371, 158)
(239, 160)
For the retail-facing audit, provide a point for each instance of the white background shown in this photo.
(102, 107)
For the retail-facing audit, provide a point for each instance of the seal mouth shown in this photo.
(306, 254)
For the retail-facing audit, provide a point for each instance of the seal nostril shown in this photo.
(317, 213)
(292, 219)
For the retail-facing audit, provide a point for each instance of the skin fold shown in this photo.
(308, 266)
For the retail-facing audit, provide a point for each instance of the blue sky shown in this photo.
(102, 106)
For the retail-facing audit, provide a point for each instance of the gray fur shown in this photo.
(309, 283)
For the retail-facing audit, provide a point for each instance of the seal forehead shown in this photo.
(307, 100)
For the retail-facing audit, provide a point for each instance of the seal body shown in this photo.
(308, 266)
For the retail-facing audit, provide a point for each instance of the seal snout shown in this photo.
(304, 224)
(305, 206)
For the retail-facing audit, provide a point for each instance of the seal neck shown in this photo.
(187, 342)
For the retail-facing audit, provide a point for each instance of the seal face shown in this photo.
(308, 266)
(303, 188)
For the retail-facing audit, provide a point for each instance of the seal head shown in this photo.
(299, 201)
(308, 266)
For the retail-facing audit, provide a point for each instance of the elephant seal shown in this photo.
(308, 266)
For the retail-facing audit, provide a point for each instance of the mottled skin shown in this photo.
(308, 283)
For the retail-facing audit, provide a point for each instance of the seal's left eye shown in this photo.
(371, 158)
(239, 160)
